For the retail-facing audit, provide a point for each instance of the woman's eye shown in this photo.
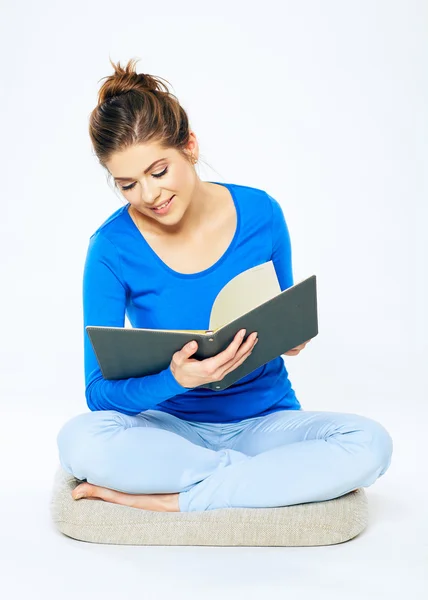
(164, 172)
(157, 175)
(128, 187)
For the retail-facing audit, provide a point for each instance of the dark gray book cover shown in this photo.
(283, 322)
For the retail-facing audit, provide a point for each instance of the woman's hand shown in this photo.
(191, 373)
(295, 351)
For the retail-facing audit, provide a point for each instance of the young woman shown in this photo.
(158, 442)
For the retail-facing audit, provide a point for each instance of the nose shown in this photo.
(149, 193)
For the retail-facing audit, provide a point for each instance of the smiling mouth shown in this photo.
(164, 205)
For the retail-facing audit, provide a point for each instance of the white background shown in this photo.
(324, 106)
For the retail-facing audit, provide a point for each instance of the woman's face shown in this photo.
(148, 176)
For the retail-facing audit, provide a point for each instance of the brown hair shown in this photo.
(136, 108)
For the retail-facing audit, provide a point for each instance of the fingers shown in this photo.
(239, 358)
(231, 354)
(222, 357)
(187, 350)
(296, 350)
(243, 351)
(235, 365)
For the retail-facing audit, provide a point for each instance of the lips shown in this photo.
(154, 207)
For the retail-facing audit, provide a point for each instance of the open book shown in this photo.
(252, 300)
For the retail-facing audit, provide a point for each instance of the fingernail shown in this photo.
(242, 333)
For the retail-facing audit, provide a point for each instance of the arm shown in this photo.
(281, 256)
(281, 246)
(104, 301)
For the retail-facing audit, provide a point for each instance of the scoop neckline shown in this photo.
(212, 267)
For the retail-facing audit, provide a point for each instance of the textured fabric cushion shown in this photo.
(310, 524)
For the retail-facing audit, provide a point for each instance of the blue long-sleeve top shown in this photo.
(123, 275)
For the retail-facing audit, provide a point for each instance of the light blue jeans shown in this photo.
(287, 457)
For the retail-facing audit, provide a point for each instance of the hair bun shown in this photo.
(126, 79)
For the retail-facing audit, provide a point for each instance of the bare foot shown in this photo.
(158, 502)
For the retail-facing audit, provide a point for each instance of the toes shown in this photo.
(81, 491)
(90, 492)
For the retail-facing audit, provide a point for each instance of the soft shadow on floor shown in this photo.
(384, 508)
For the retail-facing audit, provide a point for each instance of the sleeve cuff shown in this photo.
(172, 383)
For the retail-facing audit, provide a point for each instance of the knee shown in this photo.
(380, 443)
(80, 440)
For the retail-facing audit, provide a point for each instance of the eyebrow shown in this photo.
(146, 171)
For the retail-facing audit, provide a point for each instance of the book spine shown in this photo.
(209, 344)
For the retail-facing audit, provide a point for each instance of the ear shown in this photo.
(192, 145)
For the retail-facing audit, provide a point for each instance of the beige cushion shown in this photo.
(310, 524)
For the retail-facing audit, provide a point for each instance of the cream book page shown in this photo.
(243, 293)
